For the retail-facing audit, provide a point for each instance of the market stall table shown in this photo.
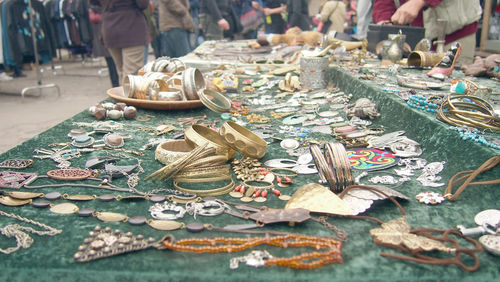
(53, 257)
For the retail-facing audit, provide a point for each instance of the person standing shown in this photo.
(218, 19)
(333, 13)
(298, 14)
(272, 10)
(125, 33)
(175, 23)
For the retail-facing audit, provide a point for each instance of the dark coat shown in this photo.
(123, 23)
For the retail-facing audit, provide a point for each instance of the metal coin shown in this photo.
(165, 225)
(111, 216)
(52, 196)
(137, 220)
(107, 197)
(157, 198)
(284, 197)
(64, 208)
(246, 199)
(235, 194)
(194, 227)
(260, 199)
(8, 201)
(41, 204)
(86, 212)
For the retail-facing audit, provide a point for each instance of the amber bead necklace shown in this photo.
(310, 260)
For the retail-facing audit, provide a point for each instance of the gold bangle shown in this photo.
(207, 162)
(209, 192)
(225, 103)
(205, 172)
(197, 134)
(243, 140)
(171, 150)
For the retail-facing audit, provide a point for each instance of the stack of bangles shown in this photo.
(333, 166)
(460, 110)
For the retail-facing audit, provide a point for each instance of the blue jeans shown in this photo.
(175, 43)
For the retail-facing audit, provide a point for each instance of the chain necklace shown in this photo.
(20, 232)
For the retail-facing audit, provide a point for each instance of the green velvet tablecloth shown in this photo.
(51, 258)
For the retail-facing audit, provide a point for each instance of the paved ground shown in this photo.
(81, 85)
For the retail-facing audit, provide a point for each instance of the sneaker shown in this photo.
(5, 77)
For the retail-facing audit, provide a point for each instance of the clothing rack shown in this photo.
(39, 85)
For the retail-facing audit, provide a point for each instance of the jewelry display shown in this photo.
(409, 168)
(16, 180)
(389, 179)
(255, 190)
(20, 233)
(16, 163)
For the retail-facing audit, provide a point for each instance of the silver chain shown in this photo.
(23, 240)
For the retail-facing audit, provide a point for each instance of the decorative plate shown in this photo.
(369, 159)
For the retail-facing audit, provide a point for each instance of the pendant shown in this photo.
(16, 163)
(23, 195)
(281, 215)
(69, 174)
(64, 208)
(491, 243)
(11, 202)
(165, 225)
(111, 217)
(12, 179)
(103, 243)
(79, 197)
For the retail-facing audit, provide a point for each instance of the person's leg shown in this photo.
(146, 53)
(133, 59)
(113, 74)
(116, 54)
(178, 41)
(468, 49)
(364, 11)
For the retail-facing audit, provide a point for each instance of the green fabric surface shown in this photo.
(51, 258)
